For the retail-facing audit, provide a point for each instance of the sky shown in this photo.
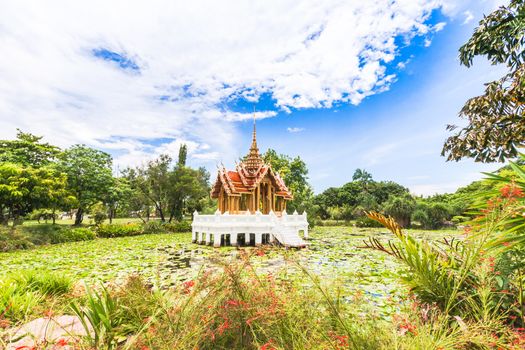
(342, 84)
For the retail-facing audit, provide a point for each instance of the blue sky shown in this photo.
(344, 85)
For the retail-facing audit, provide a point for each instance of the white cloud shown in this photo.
(294, 129)
(194, 60)
(469, 16)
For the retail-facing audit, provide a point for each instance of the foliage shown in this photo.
(431, 215)
(12, 239)
(400, 208)
(102, 314)
(179, 226)
(53, 234)
(21, 293)
(25, 237)
(23, 189)
(119, 230)
(88, 174)
(172, 191)
(461, 277)
(496, 128)
(28, 151)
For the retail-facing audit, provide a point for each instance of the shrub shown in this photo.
(12, 239)
(458, 219)
(99, 217)
(119, 230)
(153, 226)
(364, 221)
(180, 226)
(53, 234)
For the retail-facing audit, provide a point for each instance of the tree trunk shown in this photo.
(161, 214)
(79, 217)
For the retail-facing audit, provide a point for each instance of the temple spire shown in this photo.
(253, 159)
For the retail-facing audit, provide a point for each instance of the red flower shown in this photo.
(188, 285)
(232, 302)
(267, 345)
(260, 253)
(62, 342)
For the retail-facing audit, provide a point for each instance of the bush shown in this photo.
(25, 237)
(364, 221)
(99, 217)
(458, 219)
(53, 234)
(180, 226)
(12, 239)
(119, 230)
(153, 226)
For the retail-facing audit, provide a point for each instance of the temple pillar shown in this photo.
(272, 238)
(233, 239)
(258, 239)
(306, 233)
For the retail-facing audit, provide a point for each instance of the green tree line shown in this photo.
(37, 178)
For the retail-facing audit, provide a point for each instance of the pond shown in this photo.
(335, 254)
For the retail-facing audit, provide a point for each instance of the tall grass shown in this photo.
(20, 295)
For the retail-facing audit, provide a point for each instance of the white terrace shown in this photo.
(250, 229)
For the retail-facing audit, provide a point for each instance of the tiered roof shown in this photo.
(248, 174)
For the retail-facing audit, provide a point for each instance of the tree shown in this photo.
(400, 208)
(431, 215)
(23, 189)
(89, 176)
(186, 185)
(118, 192)
(138, 200)
(361, 175)
(183, 154)
(27, 150)
(496, 128)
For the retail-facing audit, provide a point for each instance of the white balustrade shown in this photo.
(284, 228)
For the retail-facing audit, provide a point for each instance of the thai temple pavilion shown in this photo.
(251, 207)
(253, 186)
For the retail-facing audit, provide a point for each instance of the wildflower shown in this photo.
(224, 326)
(506, 244)
(62, 342)
(267, 345)
(48, 313)
(232, 302)
(188, 285)
(260, 253)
